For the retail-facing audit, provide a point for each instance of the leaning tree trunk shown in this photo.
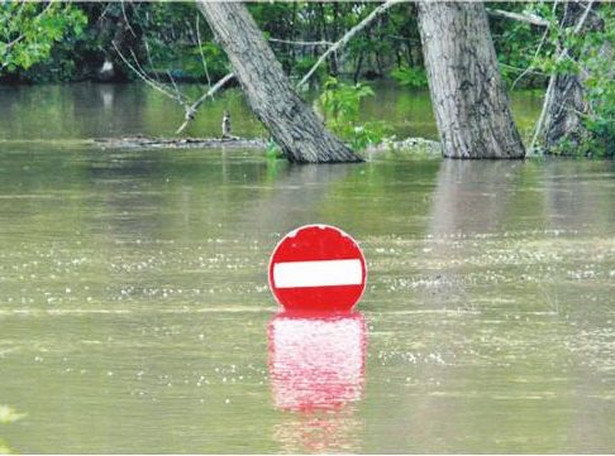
(294, 126)
(467, 92)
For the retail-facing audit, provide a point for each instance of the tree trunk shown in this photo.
(566, 102)
(467, 92)
(357, 71)
(562, 119)
(294, 126)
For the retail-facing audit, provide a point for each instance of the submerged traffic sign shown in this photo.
(316, 269)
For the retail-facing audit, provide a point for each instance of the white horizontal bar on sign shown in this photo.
(326, 273)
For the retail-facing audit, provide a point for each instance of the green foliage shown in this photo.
(341, 103)
(305, 64)
(70, 41)
(517, 42)
(170, 42)
(29, 31)
(273, 151)
(213, 56)
(408, 76)
(368, 134)
(521, 46)
(588, 58)
(162, 37)
(593, 49)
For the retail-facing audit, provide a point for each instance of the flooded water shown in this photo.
(135, 314)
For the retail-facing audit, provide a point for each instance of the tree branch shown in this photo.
(543, 112)
(531, 65)
(523, 71)
(348, 36)
(529, 18)
(177, 96)
(302, 43)
(159, 87)
(198, 37)
(191, 110)
(126, 20)
(538, 49)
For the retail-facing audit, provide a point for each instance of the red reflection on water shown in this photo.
(317, 363)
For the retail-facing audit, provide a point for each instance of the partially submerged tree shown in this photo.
(295, 127)
(470, 103)
(570, 43)
(577, 114)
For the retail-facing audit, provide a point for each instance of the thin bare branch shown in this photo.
(191, 110)
(170, 76)
(148, 53)
(577, 29)
(531, 65)
(177, 95)
(126, 20)
(180, 98)
(543, 112)
(538, 49)
(198, 37)
(533, 19)
(159, 87)
(523, 70)
(348, 36)
(302, 43)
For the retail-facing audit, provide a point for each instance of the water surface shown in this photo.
(135, 314)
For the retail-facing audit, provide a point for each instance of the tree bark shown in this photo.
(562, 119)
(294, 126)
(470, 103)
(566, 102)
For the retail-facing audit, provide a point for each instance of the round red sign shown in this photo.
(317, 269)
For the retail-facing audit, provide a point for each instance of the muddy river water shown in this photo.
(135, 314)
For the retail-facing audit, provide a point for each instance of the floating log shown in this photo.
(139, 142)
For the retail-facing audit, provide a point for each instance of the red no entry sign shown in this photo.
(317, 268)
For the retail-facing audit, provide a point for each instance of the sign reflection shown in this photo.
(317, 371)
(316, 363)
